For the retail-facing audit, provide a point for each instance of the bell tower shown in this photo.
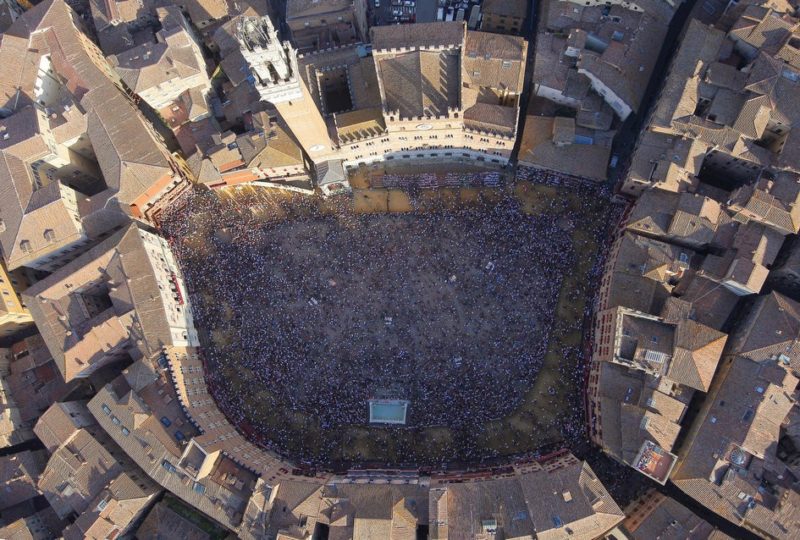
(273, 63)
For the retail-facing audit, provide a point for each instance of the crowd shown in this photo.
(551, 178)
(313, 316)
(433, 180)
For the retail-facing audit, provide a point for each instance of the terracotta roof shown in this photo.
(162, 523)
(652, 212)
(115, 508)
(31, 384)
(627, 75)
(636, 292)
(492, 118)
(41, 525)
(201, 11)
(725, 76)
(421, 35)
(78, 337)
(773, 202)
(153, 64)
(363, 512)
(699, 48)
(702, 300)
(749, 250)
(419, 83)
(644, 272)
(743, 102)
(770, 329)
(301, 499)
(156, 450)
(494, 46)
(19, 474)
(657, 516)
(698, 349)
(551, 69)
(114, 12)
(626, 43)
(79, 470)
(132, 161)
(739, 429)
(299, 9)
(763, 29)
(586, 160)
(539, 503)
(27, 213)
(695, 220)
(269, 145)
(491, 61)
(667, 160)
(130, 165)
(61, 422)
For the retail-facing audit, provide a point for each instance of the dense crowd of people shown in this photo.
(317, 314)
(432, 180)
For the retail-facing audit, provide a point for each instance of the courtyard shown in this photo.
(466, 302)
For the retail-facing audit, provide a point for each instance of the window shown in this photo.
(25, 246)
(49, 235)
(106, 409)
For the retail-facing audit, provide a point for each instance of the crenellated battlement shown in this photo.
(453, 113)
(455, 47)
